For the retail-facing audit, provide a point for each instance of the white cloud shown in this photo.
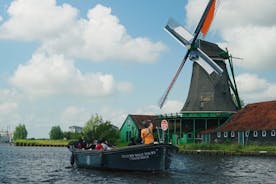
(115, 115)
(102, 37)
(248, 28)
(171, 106)
(8, 107)
(98, 37)
(253, 88)
(37, 20)
(233, 13)
(50, 75)
(73, 115)
(237, 13)
(8, 95)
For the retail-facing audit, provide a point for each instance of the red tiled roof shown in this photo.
(209, 130)
(257, 116)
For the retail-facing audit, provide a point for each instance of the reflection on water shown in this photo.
(51, 165)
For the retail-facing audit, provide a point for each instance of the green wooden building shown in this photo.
(183, 127)
(133, 124)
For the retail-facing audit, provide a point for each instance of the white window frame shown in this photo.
(225, 134)
(218, 134)
(263, 133)
(232, 133)
(273, 133)
(255, 133)
(247, 133)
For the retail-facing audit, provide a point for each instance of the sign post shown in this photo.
(164, 127)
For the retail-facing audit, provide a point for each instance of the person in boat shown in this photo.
(132, 141)
(81, 144)
(139, 140)
(147, 133)
(99, 145)
(92, 145)
(105, 145)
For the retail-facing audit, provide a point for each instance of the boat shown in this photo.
(143, 157)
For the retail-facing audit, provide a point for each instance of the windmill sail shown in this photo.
(209, 18)
(189, 41)
(178, 32)
(197, 55)
(208, 60)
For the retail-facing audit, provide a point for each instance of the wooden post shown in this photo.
(194, 129)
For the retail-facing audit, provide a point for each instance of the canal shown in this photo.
(51, 165)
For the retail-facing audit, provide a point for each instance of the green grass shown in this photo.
(41, 142)
(227, 147)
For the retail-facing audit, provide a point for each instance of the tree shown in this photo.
(96, 128)
(89, 128)
(107, 131)
(56, 133)
(72, 135)
(20, 132)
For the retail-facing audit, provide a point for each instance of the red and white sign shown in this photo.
(164, 125)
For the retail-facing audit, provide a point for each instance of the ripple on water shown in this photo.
(51, 165)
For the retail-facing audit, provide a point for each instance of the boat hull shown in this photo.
(154, 157)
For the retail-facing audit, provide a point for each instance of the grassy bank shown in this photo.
(227, 148)
(40, 142)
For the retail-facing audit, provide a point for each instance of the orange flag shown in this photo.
(209, 18)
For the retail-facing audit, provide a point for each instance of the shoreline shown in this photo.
(189, 149)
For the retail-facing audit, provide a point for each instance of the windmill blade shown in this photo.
(209, 61)
(164, 97)
(178, 32)
(194, 57)
(206, 19)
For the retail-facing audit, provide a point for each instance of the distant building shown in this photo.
(255, 123)
(6, 136)
(75, 129)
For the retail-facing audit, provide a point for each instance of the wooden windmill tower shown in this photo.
(211, 84)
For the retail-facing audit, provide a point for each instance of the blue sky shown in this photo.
(63, 61)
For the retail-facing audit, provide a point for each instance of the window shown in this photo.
(272, 133)
(218, 134)
(232, 133)
(255, 133)
(225, 134)
(263, 133)
(247, 133)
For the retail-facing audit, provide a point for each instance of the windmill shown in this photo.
(210, 83)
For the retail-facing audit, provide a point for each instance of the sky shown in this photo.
(62, 61)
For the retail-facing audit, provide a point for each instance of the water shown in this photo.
(51, 165)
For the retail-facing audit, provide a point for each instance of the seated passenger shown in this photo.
(81, 144)
(99, 146)
(92, 145)
(132, 141)
(105, 145)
